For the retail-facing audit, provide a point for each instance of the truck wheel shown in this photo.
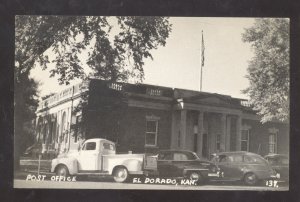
(250, 179)
(62, 170)
(196, 176)
(120, 174)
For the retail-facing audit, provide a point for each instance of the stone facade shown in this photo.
(145, 118)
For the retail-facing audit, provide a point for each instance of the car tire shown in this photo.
(121, 174)
(196, 176)
(250, 179)
(62, 170)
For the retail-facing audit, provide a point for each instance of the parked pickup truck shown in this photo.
(98, 157)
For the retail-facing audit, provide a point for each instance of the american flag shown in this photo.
(202, 51)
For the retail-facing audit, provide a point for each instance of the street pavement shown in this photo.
(113, 185)
(49, 181)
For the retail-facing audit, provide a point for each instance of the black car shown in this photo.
(280, 163)
(178, 163)
(243, 166)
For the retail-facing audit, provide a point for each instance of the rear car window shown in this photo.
(180, 157)
(109, 146)
(272, 161)
(254, 159)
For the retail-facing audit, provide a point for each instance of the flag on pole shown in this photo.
(202, 60)
(202, 51)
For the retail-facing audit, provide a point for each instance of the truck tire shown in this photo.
(62, 170)
(250, 179)
(120, 174)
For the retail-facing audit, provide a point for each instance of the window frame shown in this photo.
(156, 120)
(85, 145)
(274, 143)
(248, 139)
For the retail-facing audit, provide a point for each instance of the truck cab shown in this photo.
(91, 153)
(98, 157)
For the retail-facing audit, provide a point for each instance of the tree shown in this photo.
(268, 70)
(26, 102)
(114, 57)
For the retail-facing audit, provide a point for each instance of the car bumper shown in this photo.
(277, 176)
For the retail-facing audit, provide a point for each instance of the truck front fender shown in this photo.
(70, 163)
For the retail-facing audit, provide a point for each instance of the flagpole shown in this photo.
(202, 61)
(201, 79)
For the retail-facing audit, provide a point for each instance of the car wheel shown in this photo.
(120, 174)
(250, 179)
(62, 170)
(196, 176)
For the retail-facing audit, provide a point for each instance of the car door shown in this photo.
(230, 166)
(180, 161)
(88, 157)
(164, 164)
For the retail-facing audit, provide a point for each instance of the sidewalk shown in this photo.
(22, 174)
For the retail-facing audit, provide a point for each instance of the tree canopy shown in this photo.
(268, 70)
(116, 52)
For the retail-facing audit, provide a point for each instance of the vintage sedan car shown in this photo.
(178, 163)
(243, 166)
(280, 163)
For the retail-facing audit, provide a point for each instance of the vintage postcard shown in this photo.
(167, 103)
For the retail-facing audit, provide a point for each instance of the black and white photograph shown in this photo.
(151, 103)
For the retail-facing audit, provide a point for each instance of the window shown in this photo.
(180, 157)
(272, 161)
(245, 140)
(109, 146)
(254, 159)
(89, 146)
(272, 143)
(165, 156)
(223, 158)
(151, 132)
(236, 158)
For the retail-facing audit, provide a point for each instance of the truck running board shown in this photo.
(93, 173)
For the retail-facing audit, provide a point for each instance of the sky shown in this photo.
(178, 64)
